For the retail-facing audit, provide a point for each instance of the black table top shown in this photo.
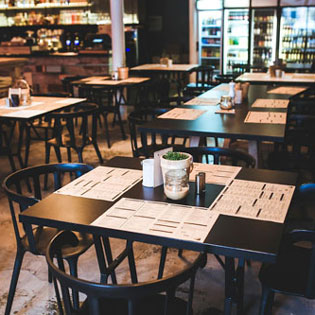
(223, 125)
(230, 236)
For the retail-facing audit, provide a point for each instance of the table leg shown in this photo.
(118, 99)
(254, 150)
(20, 143)
(234, 286)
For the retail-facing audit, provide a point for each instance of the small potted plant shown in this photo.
(176, 161)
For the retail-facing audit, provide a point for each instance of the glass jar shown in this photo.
(176, 184)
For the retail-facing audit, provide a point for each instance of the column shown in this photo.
(193, 29)
(118, 34)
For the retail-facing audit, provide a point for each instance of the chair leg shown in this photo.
(73, 266)
(106, 130)
(58, 154)
(50, 279)
(15, 276)
(69, 155)
(266, 302)
(97, 150)
(80, 155)
(121, 125)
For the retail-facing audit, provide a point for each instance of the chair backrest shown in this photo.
(300, 129)
(131, 290)
(307, 237)
(26, 187)
(79, 115)
(138, 118)
(204, 75)
(240, 68)
(221, 156)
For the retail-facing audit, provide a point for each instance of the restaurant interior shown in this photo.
(157, 157)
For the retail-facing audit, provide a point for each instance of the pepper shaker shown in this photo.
(200, 183)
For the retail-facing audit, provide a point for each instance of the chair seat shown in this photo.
(290, 274)
(153, 305)
(43, 236)
(66, 142)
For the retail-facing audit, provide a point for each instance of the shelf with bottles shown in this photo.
(210, 52)
(214, 58)
(31, 5)
(211, 41)
(211, 31)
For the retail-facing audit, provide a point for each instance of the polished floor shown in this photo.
(34, 295)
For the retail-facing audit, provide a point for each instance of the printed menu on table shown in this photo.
(254, 200)
(266, 117)
(104, 183)
(215, 174)
(270, 103)
(289, 90)
(203, 101)
(183, 113)
(159, 218)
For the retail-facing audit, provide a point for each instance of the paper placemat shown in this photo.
(203, 101)
(183, 113)
(225, 111)
(287, 90)
(104, 183)
(270, 103)
(159, 218)
(254, 200)
(266, 118)
(215, 174)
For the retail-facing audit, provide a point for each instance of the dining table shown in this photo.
(237, 238)
(174, 72)
(117, 86)
(25, 115)
(211, 121)
(304, 79)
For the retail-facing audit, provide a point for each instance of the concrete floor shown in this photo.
(34, 295)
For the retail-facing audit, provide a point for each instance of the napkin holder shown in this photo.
(152, 172)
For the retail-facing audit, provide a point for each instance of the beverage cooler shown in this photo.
(210, 34)
(297, 37)
(263, 37)
(235, 38)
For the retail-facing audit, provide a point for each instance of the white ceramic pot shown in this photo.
(186, 164)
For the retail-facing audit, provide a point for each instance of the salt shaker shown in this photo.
(200, 183)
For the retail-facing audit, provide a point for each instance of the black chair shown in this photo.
(6, 135)
(294, 271)
(204, 81)
(218, 155)
(297, 153)
(150, 141)
(224, 78)
(21, 196)
(130, 297)
(76, 138)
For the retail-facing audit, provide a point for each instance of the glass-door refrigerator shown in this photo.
(293, 36)
(263, 37)
(210, 34)
(235, 38)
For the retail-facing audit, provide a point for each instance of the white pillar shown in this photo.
(193, 33)
(118, 34)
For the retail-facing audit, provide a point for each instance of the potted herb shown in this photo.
(176, 161)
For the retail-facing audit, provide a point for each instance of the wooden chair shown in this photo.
(36, 240)
(130, 297)
(293, 273)
(218, 155)
(204, 81)
(76, 138)
(150, 142)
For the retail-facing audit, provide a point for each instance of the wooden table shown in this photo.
(229, 126)
(232, 237)
(25, 115)
(287, 79)
(117, 86)
(179, 71)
